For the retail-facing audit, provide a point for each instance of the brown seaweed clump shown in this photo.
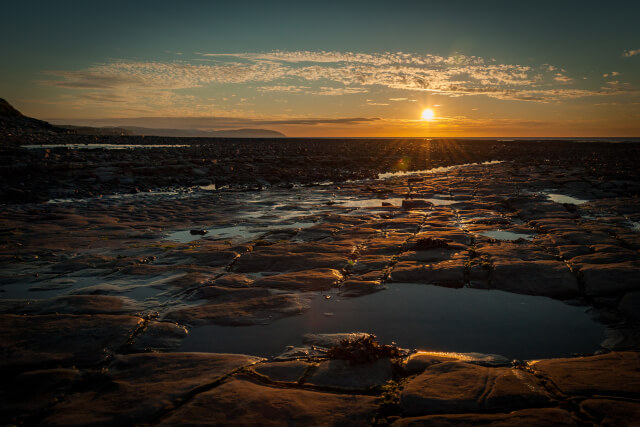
(364, 349)
(430, 243)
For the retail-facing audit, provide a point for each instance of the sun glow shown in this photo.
(428, 114)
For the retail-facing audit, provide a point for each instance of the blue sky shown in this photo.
(538, 68)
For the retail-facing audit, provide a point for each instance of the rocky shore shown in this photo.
(38, 174)
(101, 289)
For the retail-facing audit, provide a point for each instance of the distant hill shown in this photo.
(7, 110)
(183, 133)
(14, 124)
(89, 130)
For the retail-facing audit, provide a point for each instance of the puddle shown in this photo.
(423, 317)
(505, 235)
(235, 232)
(442, 202)
(103, 146)
(371, 203)
(395, 201)
(561, 198)
(433, 170)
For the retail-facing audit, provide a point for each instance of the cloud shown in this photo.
(336, 91)
(158, 84)
(559, 77)
(629, 53)
(282, 88)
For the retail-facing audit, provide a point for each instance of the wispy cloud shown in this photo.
(322, 73)
(561, 78)
(628, 53)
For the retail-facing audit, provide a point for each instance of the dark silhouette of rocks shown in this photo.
(16, 128)
(194, 133)
(88, 130)
(177, 133)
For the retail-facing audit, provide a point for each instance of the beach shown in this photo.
(180, 280)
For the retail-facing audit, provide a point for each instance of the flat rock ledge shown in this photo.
(222, 389)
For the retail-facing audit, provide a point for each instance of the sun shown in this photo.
(428, 114)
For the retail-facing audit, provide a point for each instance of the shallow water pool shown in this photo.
(423, 317)
(562, 198)
(506, 235)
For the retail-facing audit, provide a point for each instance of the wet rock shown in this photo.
(243, 402)
(531, 209)
(606, 257)
(301, 352)
(542, 417)
(571, 251)
(479, 276)
(320, 279)
(455, 387)
(293, 257)
(621, 338)
(547, 278)
(251, 311)
(421, 360)
(610, 279)
(409, 224)
(356, 288)
(389, 245)
(418, 362)
(513, 251)
(224, 294)
(611, 374)
(84, 304)
(368, 263)
(51, 340)
(198, 232)
(25, 395)
(611, 412)
(455, 239)
(630, 305)
(428, 256)
(416, 204)
(347, 376)
(233, 280)
(446, 273)
(289, 371)
(53, 285)
(160, 336)
(140, 387)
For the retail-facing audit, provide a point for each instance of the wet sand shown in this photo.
(122, 305)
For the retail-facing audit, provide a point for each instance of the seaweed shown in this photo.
(430, 243)
(364, 349)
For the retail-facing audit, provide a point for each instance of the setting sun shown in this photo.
(428, 114)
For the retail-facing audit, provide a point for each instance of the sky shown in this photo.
(325, 68)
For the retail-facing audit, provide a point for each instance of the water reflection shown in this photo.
(424, 317)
